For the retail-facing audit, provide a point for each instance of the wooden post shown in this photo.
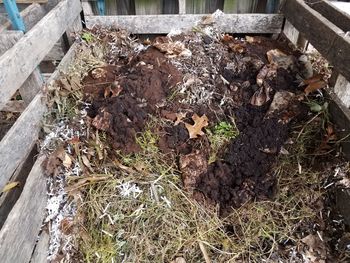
(182, 7)
(342, 90)
(34, 82)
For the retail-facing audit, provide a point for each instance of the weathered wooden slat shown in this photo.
(327, 38)
(15, 106)
(338, 17)
(162, 24)
(19, 140)
(8, 199)
(28, 1)
(182, 7)
(41, 250)
(21, 60)
(31, 15)
(34, 82)
(20, 230)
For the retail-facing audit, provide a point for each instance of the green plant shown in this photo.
(219, 135)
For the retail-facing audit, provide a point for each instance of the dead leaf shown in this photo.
(312, 87)
(179, 117)
(261, 96)
(313, 79)
(280, 59)
(98, 73)
(86, 161)
(226, 38)
(192, 166)
(317, 250)
(262, 75)
(102, 122)
(281, 101)
(67, 161)
(9, 186)
(237, 47)
(207, 20)
(252, 40)
(171, 48)
(196, 129)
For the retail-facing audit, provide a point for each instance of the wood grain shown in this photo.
(338, 17)
(34, 82)
(28, 1)
(326, 37)
(19, 232)
(162, 24)
(21, 60)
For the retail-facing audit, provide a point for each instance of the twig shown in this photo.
(204, 252)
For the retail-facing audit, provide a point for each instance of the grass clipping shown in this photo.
(141, 214)
(133, 209)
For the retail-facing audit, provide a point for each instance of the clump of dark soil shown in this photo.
(224, 78)
(122, 97)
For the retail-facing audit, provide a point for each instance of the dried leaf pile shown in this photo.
(188, 148)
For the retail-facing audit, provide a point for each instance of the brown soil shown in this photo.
(126, 94)
(123, 96)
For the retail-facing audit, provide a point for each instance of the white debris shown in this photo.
(128, 189)
(174, 32)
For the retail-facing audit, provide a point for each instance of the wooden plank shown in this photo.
(19, 233)
(342, 89)
(338, 17)
(28, 1)
(34, 82)
(15, 106)
(327, 38)
(145, 7)
(8, 199)
(20, 139)
(41, 250)
(74, 29)
(22, 59)
(182, 7)
(162, 24)
(31, 15)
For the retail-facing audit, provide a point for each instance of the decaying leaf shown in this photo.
(192, 166)
(102, 122)
(9, 187)
(226, 38)
(237, 47)
(281, 101)
(251, 40)
(171, 48)
(280, 59)
(261, 96)
(317, 250)
(312, 87)
(99, 73)
(207, 20)
(195, 130)
(67, 161)
(86, 161)
(179, 117)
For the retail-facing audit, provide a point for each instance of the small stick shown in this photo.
(204, 252)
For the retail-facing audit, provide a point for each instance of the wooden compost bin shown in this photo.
(319, 23)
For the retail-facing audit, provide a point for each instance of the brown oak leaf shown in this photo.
(195, 130)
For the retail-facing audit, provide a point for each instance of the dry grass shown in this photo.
(162, 222)
(141, 214)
